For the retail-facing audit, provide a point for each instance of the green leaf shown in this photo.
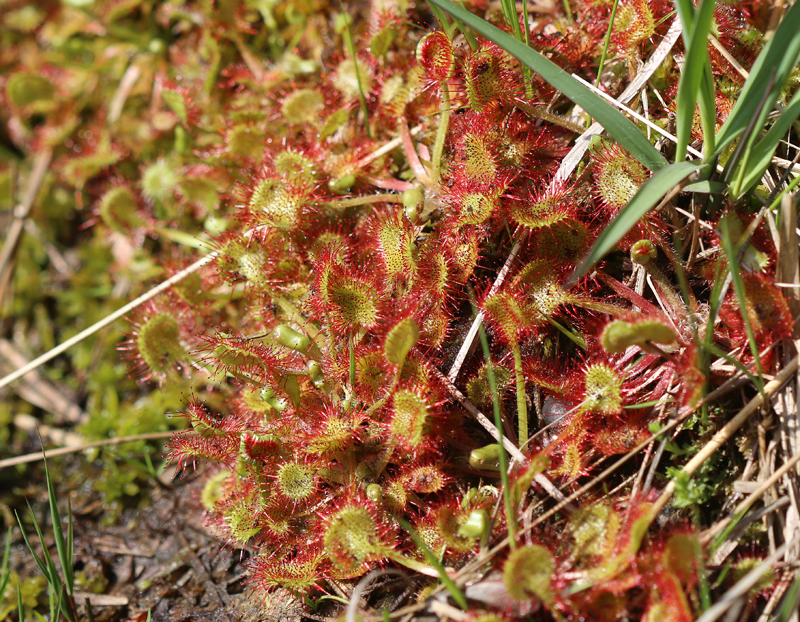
(5, 574)
(728, 247)
(400, 339)
(614, 122)
(64, 553)
(780, 54)
(706, 187)
(648, 196)
(762, 152)
(695, 38)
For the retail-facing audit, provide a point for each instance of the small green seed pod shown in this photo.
(342, 184)
(476, 525)
(413, 200)
(375, 493)
(290, 338)
(315, 373)
(643, 252)
(486, 458)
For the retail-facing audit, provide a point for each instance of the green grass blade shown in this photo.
(43, 567)
(20, 604)
(511, 518)
(607, 42)
(445, 24)
(695, 38)
(707, 187)
(351, 48)
(686, 13)
(781, 53)
(708, 113)
(5, 573)
(64, 554)
(615, 123)
(791, 601)
(70, 551)
(451, 586)
(761, 154)
(714, 305)
(648, 196)
(726, 240)
(737, 364)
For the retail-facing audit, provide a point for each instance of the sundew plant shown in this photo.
(494, 296)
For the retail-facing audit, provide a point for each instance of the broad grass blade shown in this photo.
(614, 122)
(781, 53)
(696, 27)
(648, 196)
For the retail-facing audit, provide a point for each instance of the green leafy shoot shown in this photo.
(615, 123)
(46, 566)
(695, 81)
(60, 589)
(451, 586)
(779, 55)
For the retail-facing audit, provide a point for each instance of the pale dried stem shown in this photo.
(253, 64)
(129, 79)
(40, 392)
(635, 115)
(62, 451)
(108, 319)
(57, 436)
(745, 584)
(40, 166)
(751, 498)
(387, 148)
(569, 163)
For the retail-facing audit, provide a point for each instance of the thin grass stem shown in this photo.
(606, 43)
(511, 518)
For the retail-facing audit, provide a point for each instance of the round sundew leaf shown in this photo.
(400, 339)
(528, 572)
